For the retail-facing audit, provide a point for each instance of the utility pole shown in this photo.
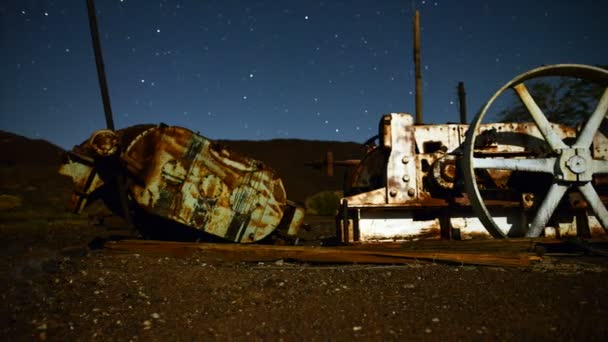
(418, 73)
(463, 103)
(101, 73)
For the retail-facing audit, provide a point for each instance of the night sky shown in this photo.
(257, 70)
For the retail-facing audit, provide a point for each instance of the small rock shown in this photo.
(50, 266)
(74, 251)
(428, 330)
(155, 315)
(357, 328)
(435, 319)
(8, 202)
(279, 262)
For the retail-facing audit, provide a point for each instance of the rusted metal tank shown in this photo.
(174, 174)
(485, 179)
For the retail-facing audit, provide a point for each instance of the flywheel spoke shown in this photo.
(546, 209)
(533, 165)
(586, 137)
(596, 204)
(544, 126)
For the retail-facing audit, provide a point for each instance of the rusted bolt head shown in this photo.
(449, 172)
(405, 160)
(411, 191)
(393, 192)
(104, 142)
(406, 178)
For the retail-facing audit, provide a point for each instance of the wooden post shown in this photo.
(329, 160)
(101, 73)
(463, 103)
(418, 73)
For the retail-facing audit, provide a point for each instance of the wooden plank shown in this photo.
(358, 255)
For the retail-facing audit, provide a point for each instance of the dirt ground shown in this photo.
(57, 288)
(58, 285)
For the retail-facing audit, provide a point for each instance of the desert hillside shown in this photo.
(26, 162)
(288, 158)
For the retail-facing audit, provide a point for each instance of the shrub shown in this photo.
(323, 203)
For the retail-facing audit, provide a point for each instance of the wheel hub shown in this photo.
(573, 165)
(577, 164)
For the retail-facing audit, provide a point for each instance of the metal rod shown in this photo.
(418, 73)
(463, 103)
(330, 163)
(101, 74)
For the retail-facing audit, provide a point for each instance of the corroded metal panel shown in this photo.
(191, 180)
(401, 166)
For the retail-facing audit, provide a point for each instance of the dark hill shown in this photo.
(29, 162)
(288, 158)
(28, 169)
(17, 149)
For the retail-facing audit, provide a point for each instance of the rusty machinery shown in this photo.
(488, 179)
(169, 182)
(452, 181)
(179, 182)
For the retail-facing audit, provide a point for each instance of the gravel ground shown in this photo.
(56, 288)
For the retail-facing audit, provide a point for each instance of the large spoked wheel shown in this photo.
(571, 165)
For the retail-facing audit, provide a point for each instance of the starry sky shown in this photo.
(257, 70)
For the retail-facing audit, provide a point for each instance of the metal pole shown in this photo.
(463, 103)
(121, 177)
(418, 73)
(101, 74)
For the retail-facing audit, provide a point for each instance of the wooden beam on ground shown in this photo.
(334, 255)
